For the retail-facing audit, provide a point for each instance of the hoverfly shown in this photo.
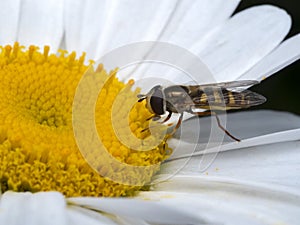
(191, 99)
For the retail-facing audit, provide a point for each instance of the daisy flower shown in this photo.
(46, 49)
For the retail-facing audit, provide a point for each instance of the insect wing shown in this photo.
(243, 99)
(232, 84)
(224, 96)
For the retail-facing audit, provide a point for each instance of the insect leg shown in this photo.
(168, 117)
(177, 125)
(219, 123)
(222, 128)
(157, 117)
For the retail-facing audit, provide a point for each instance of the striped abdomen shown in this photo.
(214, 98)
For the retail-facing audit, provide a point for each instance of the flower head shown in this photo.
(38, 147)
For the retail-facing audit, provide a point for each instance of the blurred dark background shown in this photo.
(283, 88)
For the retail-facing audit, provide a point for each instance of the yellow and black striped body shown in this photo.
(181, 99)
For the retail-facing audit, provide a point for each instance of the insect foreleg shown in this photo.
(177, 125)
(168, 117)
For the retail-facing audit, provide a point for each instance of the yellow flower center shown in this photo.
(38, 150)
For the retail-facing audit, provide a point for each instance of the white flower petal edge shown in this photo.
(243, 41)
(235, 46)
(254, 128)
(45, 208)
(199, 199)
(98, 27)
(42, 208)
(286, 53)
(228, 201)
(272, 164)
(9, 14)
(154, 212)
(131, 221)
(41, 23)
(78, 215)
(194, 19)
(83, 20)
(101, 27)
(89, 216)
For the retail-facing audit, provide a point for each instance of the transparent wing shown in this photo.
(229, 100)
(237, 86)
(232, 84)
(243, 99)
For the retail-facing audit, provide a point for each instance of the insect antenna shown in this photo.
(141, 97)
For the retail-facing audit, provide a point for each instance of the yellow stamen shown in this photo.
(38, 150)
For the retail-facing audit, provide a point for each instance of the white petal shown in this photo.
(287, 53)
(100, 26)
(243, 41)
(254, 128)
(41, 23)
(150, 211)
(78, 216)
(273, 164)
(84, 21)
(29, 209)
(9, 14)
(131, 221)
(193, 19)
(188, 23)
(228, 201)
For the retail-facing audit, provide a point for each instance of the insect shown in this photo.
(200, 100)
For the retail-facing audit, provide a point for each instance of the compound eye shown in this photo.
(157, 102)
